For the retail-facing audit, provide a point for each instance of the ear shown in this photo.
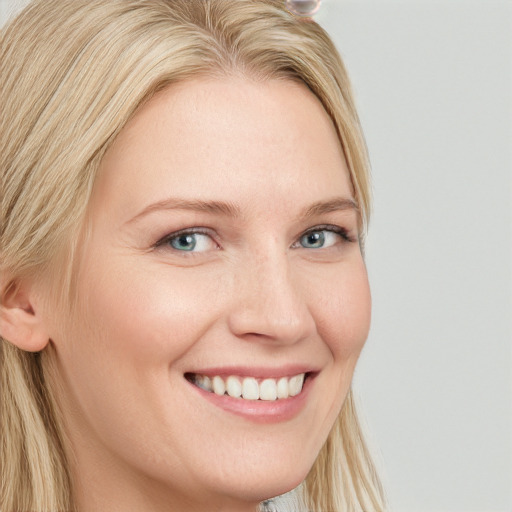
(20, 320)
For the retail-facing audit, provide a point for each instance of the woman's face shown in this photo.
(223, 252)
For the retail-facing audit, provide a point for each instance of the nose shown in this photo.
(269, 304)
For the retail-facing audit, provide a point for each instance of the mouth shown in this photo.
(250, 388)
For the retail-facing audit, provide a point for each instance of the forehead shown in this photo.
(216, 138)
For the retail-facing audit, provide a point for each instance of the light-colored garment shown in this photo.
(289, 502)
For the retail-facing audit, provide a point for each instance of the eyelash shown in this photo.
(189, 231)
(342, 232)
(338, 230)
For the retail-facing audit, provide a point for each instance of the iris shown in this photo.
(313, 240)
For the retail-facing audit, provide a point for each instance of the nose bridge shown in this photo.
(270, 302)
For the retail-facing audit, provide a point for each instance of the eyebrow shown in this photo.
(229, 209)
(332, 205)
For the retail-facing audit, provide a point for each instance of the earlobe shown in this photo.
(20, 321)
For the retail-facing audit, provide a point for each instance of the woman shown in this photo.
(184, 297)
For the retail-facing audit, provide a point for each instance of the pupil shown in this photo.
(315, 239)
(186, 242)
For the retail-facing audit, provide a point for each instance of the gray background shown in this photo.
(433, 82)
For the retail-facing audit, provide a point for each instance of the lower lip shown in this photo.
(261, 411)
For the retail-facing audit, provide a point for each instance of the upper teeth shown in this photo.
(250, 388)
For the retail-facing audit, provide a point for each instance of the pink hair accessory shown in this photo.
(303, 8)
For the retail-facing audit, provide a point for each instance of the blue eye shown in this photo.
(322, 238)
(184, 242)
(313, 240)
(191, 242)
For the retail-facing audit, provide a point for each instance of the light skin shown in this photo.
(249, 170)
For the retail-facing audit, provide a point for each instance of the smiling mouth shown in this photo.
(250, 388)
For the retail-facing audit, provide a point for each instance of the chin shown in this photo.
(263, 485)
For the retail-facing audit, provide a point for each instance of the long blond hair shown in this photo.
(72, 73)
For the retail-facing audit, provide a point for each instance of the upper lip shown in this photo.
(257, 372)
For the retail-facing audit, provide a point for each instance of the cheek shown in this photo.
(131, 328)
(344, 313)
(149, 316)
